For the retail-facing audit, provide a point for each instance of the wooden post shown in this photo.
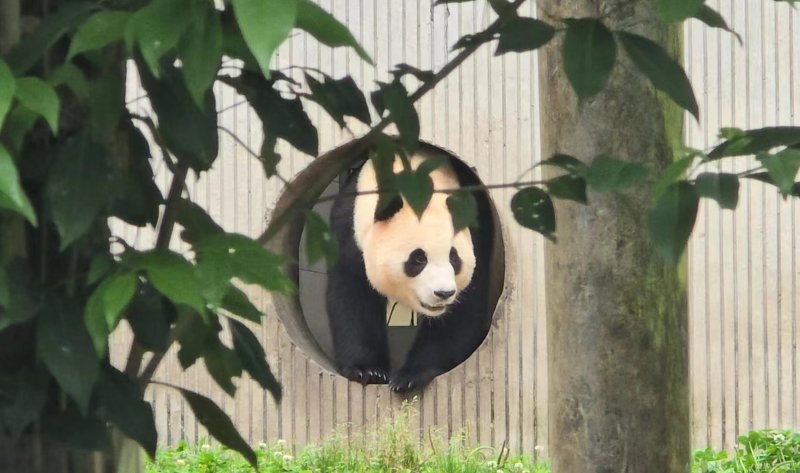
(617, 314)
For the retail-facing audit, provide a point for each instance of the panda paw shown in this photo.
(409, 380)
(366, 375)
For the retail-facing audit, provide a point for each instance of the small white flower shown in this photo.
(206, 446)
(287, 458)
(180, 462)
(518, 466)
(538, 448)
(262, 445)
(491, 463)
(499, 471)
(281, 442)
(277, 454)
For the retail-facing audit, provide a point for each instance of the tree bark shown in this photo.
(617, 314)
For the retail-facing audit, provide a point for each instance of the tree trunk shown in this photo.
(617, 314)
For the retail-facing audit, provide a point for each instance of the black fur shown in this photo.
(356, 311)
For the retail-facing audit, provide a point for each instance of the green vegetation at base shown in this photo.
(763, 451)
(395, 448)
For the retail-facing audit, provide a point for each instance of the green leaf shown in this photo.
(156, 29)
(101, 29)
(188, 131)
(66, 349)
(468, 40)
(150, 315)
(253, 358)
(395, 98)
(463, 210)
(222, 364)
(38, 96)
(236, 302)
(339, 98)
(676, 170)
(226, 255)
(320, 242)
(8, 85)
(12, 195)
(568, 187)
(117, 291)
(77, 189)
(713, 19)
(72, 77)
(101, 264)
(568, 163)
(219, 425)
(52, 27)
(326, 29)
(402, 69)
(533, 209)
(125, 408)
(782, 167)
(663, 71)
(722, 187)
(19, 122)
(521, 34)
(172, 276)
(196, 336)
(137, 198)
(94, 317)
(589, 56)
(195, 221)
(281, 118)
(756, 141)
(677, 10)
(105, 306)
(200, 50)
(609, 174)
(416, 188)
(671, 219)
(265, 24)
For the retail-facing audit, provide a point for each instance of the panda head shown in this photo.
(421, 263)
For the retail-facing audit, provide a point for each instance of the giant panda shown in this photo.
(421, 263)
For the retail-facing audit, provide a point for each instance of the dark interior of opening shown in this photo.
(401, 327)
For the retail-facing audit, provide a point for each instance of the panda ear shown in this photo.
(388, 207)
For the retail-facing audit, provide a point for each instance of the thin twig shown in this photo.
(165, 228)
(251, 152)
(451, 190)
(343, 160)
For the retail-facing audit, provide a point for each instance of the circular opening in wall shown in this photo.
(393, 338)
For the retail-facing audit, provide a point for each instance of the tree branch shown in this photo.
(346, 157)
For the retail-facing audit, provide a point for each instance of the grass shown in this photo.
(395, 448)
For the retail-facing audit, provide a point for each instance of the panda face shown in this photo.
(420, 263)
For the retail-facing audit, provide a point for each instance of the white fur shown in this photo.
(386, 245)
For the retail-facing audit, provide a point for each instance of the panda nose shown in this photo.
(444, 294)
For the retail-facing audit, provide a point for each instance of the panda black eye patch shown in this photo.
(415, 263)
(455, 260)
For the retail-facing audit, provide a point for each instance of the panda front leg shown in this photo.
(441, 344)
(357, 318)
